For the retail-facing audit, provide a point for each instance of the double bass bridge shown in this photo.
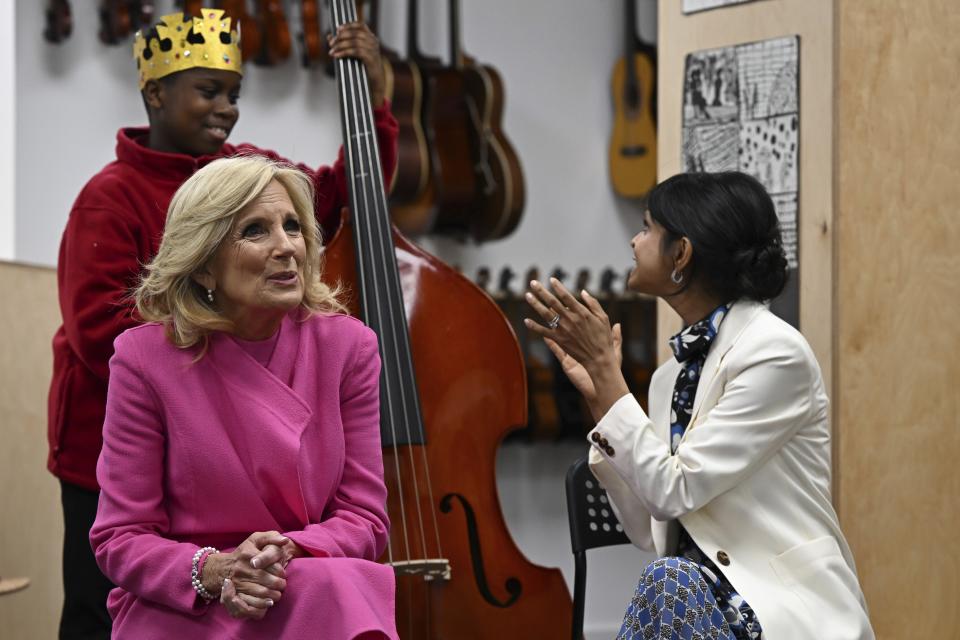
(430, 568)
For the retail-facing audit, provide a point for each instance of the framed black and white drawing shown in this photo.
(741, 112)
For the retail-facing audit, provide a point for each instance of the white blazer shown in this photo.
(750, 480)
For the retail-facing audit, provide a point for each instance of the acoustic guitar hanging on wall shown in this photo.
(633, 143)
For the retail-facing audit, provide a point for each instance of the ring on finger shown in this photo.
(554, 322)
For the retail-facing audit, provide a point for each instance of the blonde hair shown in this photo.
(201, 214)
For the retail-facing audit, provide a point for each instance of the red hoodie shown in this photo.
(114, 229)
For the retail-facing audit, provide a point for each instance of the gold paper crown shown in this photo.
(176, 44)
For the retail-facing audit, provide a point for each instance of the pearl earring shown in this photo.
(210, 295)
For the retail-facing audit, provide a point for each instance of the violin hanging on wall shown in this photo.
(275, 34)
(250, 40)
(633, 142)
(114, 21)
(141, 14)
(59, 21)
(191, 8)
(314, 48)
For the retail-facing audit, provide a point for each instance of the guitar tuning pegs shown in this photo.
(583, 280)
(533, 273)
(607, 278)
(503, 282)
(483, 278)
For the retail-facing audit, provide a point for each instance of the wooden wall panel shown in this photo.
(898, 290)
(31, 527)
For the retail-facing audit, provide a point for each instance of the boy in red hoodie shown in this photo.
(190, 76)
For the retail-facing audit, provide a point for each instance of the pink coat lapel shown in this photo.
(264, 419)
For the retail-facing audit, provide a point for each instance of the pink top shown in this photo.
(208, 452)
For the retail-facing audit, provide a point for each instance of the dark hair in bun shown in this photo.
(731, 222)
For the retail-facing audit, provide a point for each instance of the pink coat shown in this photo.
(207, 452)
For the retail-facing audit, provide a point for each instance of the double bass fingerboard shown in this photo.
(378, 278)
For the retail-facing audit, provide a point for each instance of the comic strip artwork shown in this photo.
(691, 6)
(741, 112)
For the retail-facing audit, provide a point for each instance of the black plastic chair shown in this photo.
(592, 525)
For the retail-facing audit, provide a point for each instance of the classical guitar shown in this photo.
(633, 142)
(464, 175)
(413, 202)
(246, 24)
(503, 195)
(59, 21)
(451, 387)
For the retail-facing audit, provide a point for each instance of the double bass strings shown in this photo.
(371, 307)
(382, 220)
(383, 238)
(356, 101)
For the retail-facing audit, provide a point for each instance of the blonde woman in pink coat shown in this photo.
(241, 472)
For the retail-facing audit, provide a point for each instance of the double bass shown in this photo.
(452, 385)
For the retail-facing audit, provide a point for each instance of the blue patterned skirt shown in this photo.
(677, 598)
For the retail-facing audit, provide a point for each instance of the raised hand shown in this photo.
(355, 40)
(580, 335)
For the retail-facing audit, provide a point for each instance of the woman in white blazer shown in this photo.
(728, 478)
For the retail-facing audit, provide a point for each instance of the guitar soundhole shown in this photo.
(633, 151)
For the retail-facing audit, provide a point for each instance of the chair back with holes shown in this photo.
(592, 525)
(592, 521)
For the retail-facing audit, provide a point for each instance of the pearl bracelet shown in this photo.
(196, 570)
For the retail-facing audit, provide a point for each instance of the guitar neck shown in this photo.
(456, 53)
(630, 45)
(413, 15)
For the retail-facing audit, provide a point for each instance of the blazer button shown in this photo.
(604, 443)
(723, 558)
(609, 450)
(595, 436)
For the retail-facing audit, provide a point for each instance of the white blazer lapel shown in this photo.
(739, 316)
(660, 397)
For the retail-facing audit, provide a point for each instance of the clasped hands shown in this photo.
(252, 577)
(580, 336)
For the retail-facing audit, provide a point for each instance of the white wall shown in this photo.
(8, 152)
(555, 57)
